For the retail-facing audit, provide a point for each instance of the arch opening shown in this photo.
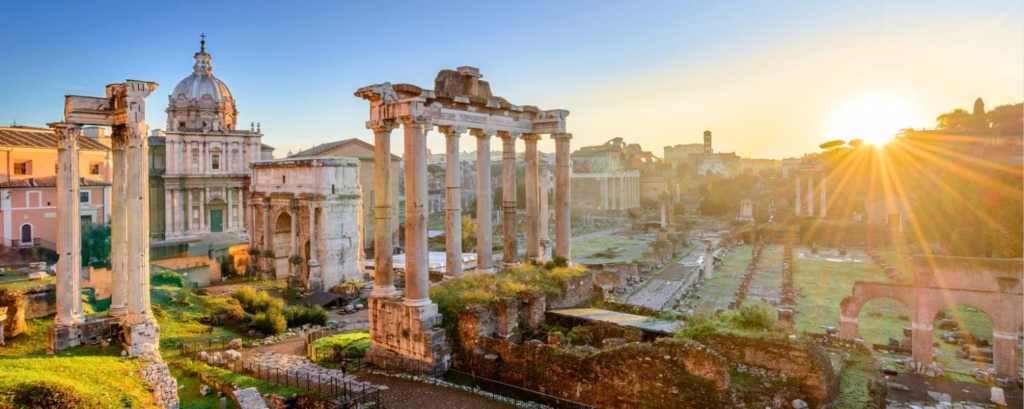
(963, 337)
(885, 321)
(282, 243)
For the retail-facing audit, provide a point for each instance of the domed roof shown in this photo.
(202, 82)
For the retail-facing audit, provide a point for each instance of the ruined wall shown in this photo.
(15, 324)
(575, 291)
(665, 374)
(804, 362)
(39, 303)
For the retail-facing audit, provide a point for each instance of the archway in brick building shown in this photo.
(882, 319)
(964, 335)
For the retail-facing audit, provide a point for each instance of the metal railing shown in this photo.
(191, 348)
(346, 393)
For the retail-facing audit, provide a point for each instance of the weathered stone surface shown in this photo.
(250, 398)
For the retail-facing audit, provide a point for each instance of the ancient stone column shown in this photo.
(1004, 344)
(563, 222)
(188, 211)
(796, 176)
(417, 276)
(316, 281)
(709, 260)
(810, 195)
(664, 214)
(137, 193)
(604, 191)
(484, 262)
(202, 209)
(69, 276)
(532, 198)
(118, 230)
(545, 236)
(823, 200)
(508, 203)
(453, 202)
(268, 235)
(383, 247)
(921, 340)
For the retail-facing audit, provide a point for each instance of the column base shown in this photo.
(406, 338)
(118, 312)
(387, 291)
(142, 338)
(61, 337)
(485, 270)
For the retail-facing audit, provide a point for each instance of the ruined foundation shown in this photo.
(406, 338)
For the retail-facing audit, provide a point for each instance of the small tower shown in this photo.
(979, 107)
(707, 143)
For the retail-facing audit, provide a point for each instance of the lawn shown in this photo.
(823, 285)
(726, 279)
(595, 250)
(16, 282)
(100, 376)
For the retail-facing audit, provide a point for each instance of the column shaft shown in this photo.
(508, 180)
(383, 247)
(137, 193)
(545, 236)
(118, 230)
(416, 266)
(563, 222)
(796, 176)
(69, 280)
(823, 200)
(453, 202)
(484, 262)
(532, 198)
(810, 195)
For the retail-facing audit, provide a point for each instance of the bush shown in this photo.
(184, 295)
(167, 277)
(254, 301)
(158, 311)
(755, 316)
(298, 315)
(225, 311)
(698, 326)
(350, 344)
(39, 394)
(269, 323)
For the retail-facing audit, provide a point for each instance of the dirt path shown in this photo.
(959, 391)
(405, 393)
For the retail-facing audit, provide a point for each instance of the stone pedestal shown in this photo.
(406, 338)
(142, 338)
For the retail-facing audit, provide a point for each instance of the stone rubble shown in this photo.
(164, 386)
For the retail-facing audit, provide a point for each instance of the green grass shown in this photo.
(16, 282)
(628, 249)
(860, 370)
(824, 284)
(101, 376)
(726, 278)
(353, 343)
(188, 391)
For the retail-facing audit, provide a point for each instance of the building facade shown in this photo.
(28, 185)
(206, 161)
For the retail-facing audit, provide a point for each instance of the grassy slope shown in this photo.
(629, 249)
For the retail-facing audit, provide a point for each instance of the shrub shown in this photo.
(755, 316)
(39, 394)
(167, 277)
(298, 315)
(698, 326)
(246, 296)
(269, 323)
(158, 311)
(225, 311)
(350, 344)
(265, 303)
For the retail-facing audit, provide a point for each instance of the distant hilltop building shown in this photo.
(200, 173)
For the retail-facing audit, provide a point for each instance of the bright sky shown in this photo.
(769, 79)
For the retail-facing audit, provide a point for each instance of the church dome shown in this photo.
(202, 82)
(201, 101)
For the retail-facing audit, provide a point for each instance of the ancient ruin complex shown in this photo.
(460, 102)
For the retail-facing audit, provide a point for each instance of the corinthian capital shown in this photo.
(562, 135)
(452, 131)
(382, 125)
(67, 134)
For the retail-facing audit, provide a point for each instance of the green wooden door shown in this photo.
(216, 222)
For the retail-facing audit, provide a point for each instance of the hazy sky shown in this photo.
(769, 79)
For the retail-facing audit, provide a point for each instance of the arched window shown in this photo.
(26, 234)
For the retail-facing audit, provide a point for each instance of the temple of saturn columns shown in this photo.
(406, 329)
(124, 110)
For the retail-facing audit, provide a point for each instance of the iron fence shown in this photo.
(191, 348)
(344, 391)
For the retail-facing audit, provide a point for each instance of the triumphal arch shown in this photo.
(123, 108)
(460, 102)
(993, 286)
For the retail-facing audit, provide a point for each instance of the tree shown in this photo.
(855, 143)
(830, 145)
(468, 234)
(96, 243)
(957, 119)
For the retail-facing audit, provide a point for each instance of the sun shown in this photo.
(875, 119)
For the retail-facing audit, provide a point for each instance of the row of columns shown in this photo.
(180, 206)
(620, 193)
(129, 223)
(415, 131)
(808, 200)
